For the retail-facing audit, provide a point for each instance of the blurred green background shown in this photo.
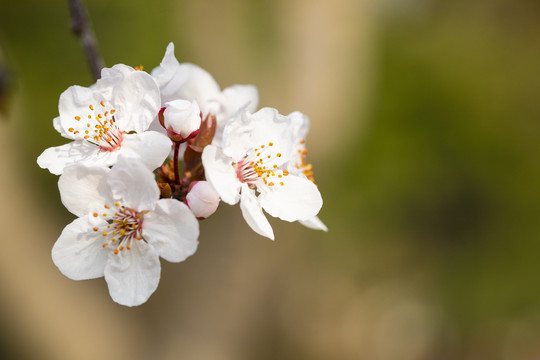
(424, 141)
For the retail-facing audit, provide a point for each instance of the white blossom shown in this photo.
(122, 229)
(202, 199)
(108, 119)
(190, 82)
(250, 168)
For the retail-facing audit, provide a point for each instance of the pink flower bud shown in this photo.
(181, 119)
(202, 199)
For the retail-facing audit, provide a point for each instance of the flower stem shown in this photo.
(80, 26)
(175, 160)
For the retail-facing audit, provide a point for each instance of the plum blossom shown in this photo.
(190, 82)
(108, 119)
(181, 119)
(122, 229)
(202, 199)
(250, 168)
(297, 163)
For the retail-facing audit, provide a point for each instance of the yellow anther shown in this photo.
(76, 132)
(281, 183)
(71, 129)
(89, 116)
(104, 233)
(117, 204)
(105, 245)
(91, 107)
(107, 206)
(278, 154)
(270, 184)
(115, 251)
(113, 111)
(270, 144)
(275, 166)
(120, 248)
(102, 104)
(113, 239)
(77, 118)
(86, 137)
(95, 229)
(104, 214)
(95, 214)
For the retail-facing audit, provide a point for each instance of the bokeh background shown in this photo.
(425, 142)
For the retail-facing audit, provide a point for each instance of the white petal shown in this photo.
(150, 147)
(57, 124)
(246, 131)
(184, 81)
(202, 199)
(73, 102)
(314, 223)
(136, 100)
(300, 124)
(172, 230)
(134, 184)
(221, 174)
(133, 275)
(229, 102)
(78, 252)
(297, 199)
(237, 96)
(83, 188)
(76, 152)
(253, 214)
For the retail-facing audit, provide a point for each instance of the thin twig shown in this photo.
(83, 30)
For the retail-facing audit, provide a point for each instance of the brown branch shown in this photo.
(83, 30)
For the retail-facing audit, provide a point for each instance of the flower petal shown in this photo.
(253, 214)
(74, 102)
(172, 230)
(300, 124)
(55, 159)
(314, 223)
(221, 174)
(133, 275)
(83, 188)
(78, 252)
(238, 96)
(149, 147)
(297, 199)
(184, 81)
(245, 131)
(133, 94)
(134, 184)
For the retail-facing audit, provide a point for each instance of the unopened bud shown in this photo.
(202, 199)
(181, 119)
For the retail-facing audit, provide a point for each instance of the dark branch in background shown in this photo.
(82, 29)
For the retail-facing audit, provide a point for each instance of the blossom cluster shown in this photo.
(151, 154)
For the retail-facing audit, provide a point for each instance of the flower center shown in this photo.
(98, 127)
(124, 226)
(260, 167)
